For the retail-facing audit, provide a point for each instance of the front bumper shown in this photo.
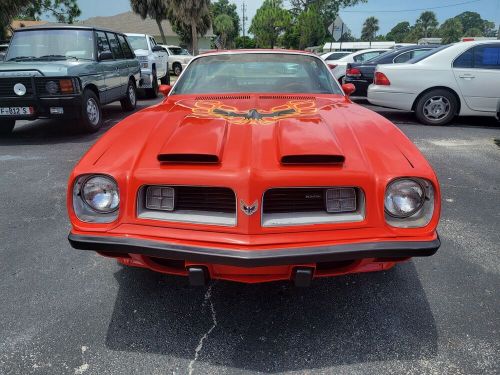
(255, 258)
(71, 105)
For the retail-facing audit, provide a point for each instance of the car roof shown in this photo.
(65, 26)
(136, 34)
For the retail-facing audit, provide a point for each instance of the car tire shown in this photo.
(129, 102)
(6, 126)
(177, 68)
(437, 107)
(91, 116)
(152, 93)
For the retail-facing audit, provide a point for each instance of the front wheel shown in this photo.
(153, 91)
(130, 100)
(437, 107)
(91, 116)
(177, 69)
(6, 126)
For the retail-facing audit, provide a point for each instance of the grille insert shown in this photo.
(7, 86)
(216, 199)
(294, 200)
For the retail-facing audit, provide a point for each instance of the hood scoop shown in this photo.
(195, 140)
(308, 141)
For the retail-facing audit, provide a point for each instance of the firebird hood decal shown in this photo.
(217, 109)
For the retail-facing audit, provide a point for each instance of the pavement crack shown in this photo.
(199, 347)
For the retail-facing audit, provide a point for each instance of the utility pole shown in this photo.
(243, 9)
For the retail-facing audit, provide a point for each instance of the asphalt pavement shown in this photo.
(64, 311)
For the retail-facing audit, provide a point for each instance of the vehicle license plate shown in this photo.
(13, 111)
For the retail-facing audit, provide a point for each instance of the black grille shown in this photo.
(294, 200)
(7, 86)
(214, 199)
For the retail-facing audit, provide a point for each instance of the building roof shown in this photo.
(18, 24)
(130, 22)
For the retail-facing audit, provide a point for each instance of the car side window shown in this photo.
(367, 56)
(115, 46)
(102, 42)
(464, 60)
(125, 47)
(487, 57)
(404, 57)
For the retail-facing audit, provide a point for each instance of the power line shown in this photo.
(411, 10)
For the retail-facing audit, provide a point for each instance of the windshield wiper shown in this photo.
(60, 57)
(20, 58)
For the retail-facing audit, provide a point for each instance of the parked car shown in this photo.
(66, 72)
(334, 55)
(178, 58)
(339, 66)
(3, 51)
(361, 74)
(254, 178)
(460, 79)
(154, 62)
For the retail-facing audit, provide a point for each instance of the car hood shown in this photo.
(141, 52)
(269, 136)
(46, 68)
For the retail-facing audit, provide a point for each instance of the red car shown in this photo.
(256, 167)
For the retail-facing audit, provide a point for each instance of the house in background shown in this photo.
(129, 22)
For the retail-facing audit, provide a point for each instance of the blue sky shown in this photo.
(353, 16)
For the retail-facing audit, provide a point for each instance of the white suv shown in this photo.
(178, 58)
(154, 62)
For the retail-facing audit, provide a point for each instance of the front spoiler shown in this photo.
(255, 258)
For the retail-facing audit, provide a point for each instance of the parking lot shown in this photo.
(65, 311)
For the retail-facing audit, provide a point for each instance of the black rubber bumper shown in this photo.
(72, 106)
(256, 258)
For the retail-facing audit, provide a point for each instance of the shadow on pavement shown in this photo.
(274, 327)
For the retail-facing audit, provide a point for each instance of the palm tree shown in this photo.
(370, 28)
(225, 26)
(155, 9)
(427, 22)
(191, 12)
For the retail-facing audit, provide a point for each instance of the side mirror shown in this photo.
(106, 55)
(348, 88)
(158, 49)
(165, 89)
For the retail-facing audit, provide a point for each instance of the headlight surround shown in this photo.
(96, 198)
(101, 194)
(404, 197)
(409, 202)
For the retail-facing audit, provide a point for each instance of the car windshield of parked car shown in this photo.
(257, 73)
(138, 42)
(427, 54)
(178, 51)
(51, 44)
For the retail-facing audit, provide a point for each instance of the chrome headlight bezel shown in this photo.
(421, 215)
(84, 210)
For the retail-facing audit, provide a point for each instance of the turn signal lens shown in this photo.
(340, 200)
(66, 86)
(160, 198)
(381, 79)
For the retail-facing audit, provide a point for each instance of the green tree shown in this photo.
(247, 42)
(328, 9)
(184, 31)
(399, 32)
(269, 22)
(473, 20)
(473, 32)
(225, 26)
(224, 7)
(191, 13)
(310, 28)
(154, 9)
(427, 22)
(451, 30)
(62, 10)
(370, 28)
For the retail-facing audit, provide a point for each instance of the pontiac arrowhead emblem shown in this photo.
(249, 209)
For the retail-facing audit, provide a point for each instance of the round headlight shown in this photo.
(403, 198)
(101, 194)
(52, 87)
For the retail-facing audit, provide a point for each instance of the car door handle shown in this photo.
(467, 76)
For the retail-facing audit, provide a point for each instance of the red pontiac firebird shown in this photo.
(255, 167)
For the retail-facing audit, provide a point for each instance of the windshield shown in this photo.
(257, 72)
(178, 51)
(51, 44)
(427, 54)
(138, 42)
